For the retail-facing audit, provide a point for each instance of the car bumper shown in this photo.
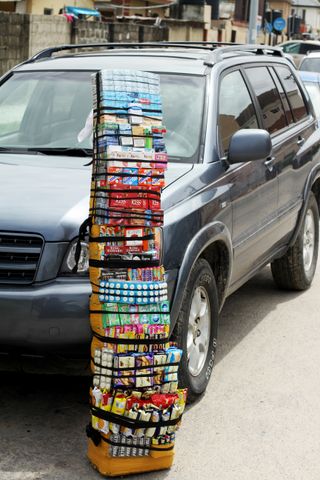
(51, 319)
(45, 319)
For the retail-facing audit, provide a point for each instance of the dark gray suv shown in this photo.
(243, 189)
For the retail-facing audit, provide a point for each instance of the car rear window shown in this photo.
(49, 109)
(310, 65)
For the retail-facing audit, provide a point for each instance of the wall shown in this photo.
(23, 35)
(47, 31)
(14, 38)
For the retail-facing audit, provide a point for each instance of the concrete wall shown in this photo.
(14, 39)
(47, 31)
(23, 35)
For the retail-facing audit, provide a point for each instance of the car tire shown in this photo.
(295, 270)
(196, 330)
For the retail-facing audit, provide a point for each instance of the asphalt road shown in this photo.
(259, 419)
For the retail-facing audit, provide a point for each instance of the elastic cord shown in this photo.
(131, 423)
(120, 263)
(96, 437)
(131, 341)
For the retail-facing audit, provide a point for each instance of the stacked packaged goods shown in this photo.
(136, 404)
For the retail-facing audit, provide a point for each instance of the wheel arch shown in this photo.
(312, 185)
(213, 243)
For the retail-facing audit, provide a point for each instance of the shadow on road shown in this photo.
(42, 418)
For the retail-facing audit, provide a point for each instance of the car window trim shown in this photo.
(305, 101)
(276, 80)
(222, 75)
(266, 65)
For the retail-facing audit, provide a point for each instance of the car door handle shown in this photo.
(300, 141)
(269, 163)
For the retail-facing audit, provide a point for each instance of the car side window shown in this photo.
(283, 96)
(292, 90)
(291, 48)
(308, 47)
(273, 114)
(236, 109)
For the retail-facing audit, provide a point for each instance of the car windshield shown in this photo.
(314, 94)
(310, 65)
(45, 111)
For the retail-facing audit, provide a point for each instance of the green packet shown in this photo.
(116, 314)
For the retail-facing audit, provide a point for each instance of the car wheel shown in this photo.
(295, 270)
(196, 330)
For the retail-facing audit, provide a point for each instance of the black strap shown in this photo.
(132, 135)
(116, 111)
(103, 312)
(96, 437)
(123, 174)
(142, 367)
(131, 341)
(138, 160)
(123, 263)
(130, 212)
(132, 422)
(123, 190)
(112, 238)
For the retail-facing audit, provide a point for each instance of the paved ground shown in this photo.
(259, 420)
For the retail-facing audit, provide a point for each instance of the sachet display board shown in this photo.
(136, 405)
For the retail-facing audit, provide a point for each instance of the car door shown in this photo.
(294, 166)
(253, 186)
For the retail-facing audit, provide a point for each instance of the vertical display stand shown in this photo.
(136, 405)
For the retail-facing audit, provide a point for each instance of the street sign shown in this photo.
(279, 24)
(268, 27)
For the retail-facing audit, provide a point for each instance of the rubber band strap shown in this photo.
(125, 111)
(110, 238)
(103, 312)
(138, 160)
(132, 423)
(142, 367)
(124, 190)
(123, 263)
(131, 341)
(96, 437)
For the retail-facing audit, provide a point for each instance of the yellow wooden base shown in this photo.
(116, 466)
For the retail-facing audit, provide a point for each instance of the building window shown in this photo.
(48, 11)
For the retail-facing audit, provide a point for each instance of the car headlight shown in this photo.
(69, 261)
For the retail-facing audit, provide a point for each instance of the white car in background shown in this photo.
(311, 63)
(299, 48)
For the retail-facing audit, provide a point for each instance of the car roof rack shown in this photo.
(216, 49)
(217, 54)
(48, 52)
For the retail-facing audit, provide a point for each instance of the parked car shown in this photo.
(311, 62)
(243, 189)
(299, 48)
(311, 81)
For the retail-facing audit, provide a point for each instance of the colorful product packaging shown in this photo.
(136, 405)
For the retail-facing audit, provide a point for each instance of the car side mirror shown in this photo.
(249, 144)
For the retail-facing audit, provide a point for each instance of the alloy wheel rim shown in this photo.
(198, 331)
(308, 240)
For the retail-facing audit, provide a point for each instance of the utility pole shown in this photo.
(252, 33)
